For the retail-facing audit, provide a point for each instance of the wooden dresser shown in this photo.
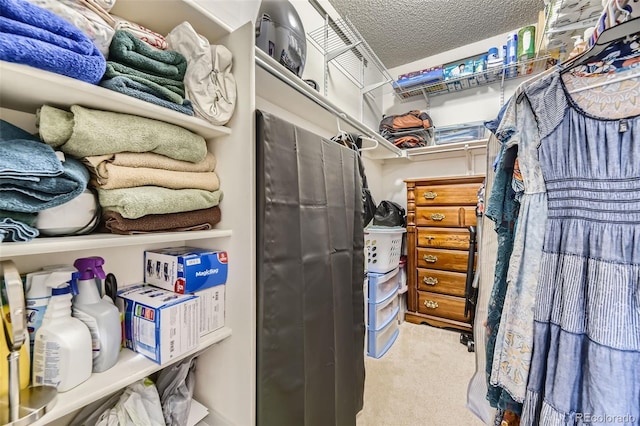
(439, 212)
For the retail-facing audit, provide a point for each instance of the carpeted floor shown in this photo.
(421, 381)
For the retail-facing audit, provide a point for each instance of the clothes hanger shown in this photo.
(341, 133)
(376, 143)
(345, 137)
(622, 10)
(606, 38)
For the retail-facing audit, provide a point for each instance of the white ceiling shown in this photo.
(403, 31)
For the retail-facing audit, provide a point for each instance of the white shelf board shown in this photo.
(417, 153)
(276, 91)
(130, 368)
(25, 88)
(96, 241)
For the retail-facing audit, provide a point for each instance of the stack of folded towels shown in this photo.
(31, 35)
(32, 178)
(150, 176)
(138, 69)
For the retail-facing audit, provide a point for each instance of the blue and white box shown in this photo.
(185, 269)
(159, 324)
(211, 307)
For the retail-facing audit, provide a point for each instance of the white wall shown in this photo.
(480, 104)
(385, 177)
(234, 13)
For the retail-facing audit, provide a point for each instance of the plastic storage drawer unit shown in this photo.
(381, 286)
(379, 313)
(460, 133)
(380, 341)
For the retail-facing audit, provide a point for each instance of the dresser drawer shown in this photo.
(458, 194)
(448, 260)
(447, 216)
(449, 307)
(446, 282)
(443, 238)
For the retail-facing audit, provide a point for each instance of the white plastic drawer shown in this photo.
(381, 313)
(380, 341)
(381, 286)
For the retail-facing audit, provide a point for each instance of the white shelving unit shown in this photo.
(225, 378)
(99, 241)
(130, 368)
(281, 89)
(563, 21)
(496, 75)
(343, 45)
(415, 153)
(26, 88)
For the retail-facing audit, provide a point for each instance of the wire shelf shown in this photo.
(492, 75)
(564, 20)
(343, 45)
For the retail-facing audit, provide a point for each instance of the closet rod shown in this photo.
(263, 60)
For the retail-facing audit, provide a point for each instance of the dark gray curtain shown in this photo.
(310, 267)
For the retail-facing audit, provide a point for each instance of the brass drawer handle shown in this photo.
(430, 258)
(430, 280)
(430, 195)
(431, 304)
(437, 217)
(430, 237)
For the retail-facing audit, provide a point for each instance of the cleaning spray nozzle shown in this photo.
(90, 267)
(62, 282)
(73, 284)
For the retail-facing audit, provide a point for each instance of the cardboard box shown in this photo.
(158, 323)
(211, 309)
(185, 269)
(459, 69)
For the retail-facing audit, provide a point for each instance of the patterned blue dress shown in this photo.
(585, 367)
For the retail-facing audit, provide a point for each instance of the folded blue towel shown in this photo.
(24, 157)
(17, 226)
(170, 89)
(142, 91)
(37, 37)
(30, 197)
(14, 231)
(32, 178)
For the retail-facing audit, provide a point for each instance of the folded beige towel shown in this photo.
(154, 161)
(86, 132)
(133, 203)
(110, 176)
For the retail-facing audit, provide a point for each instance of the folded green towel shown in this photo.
(133, 203)
(129, 50)
(85, 132)
(172, 90)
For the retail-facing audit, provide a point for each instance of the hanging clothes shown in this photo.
(514, 341)
(586, 357)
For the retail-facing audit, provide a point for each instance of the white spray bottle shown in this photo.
(99, 314)
(62, 349)
(37, 296)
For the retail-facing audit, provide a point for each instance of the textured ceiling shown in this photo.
(402, 31)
